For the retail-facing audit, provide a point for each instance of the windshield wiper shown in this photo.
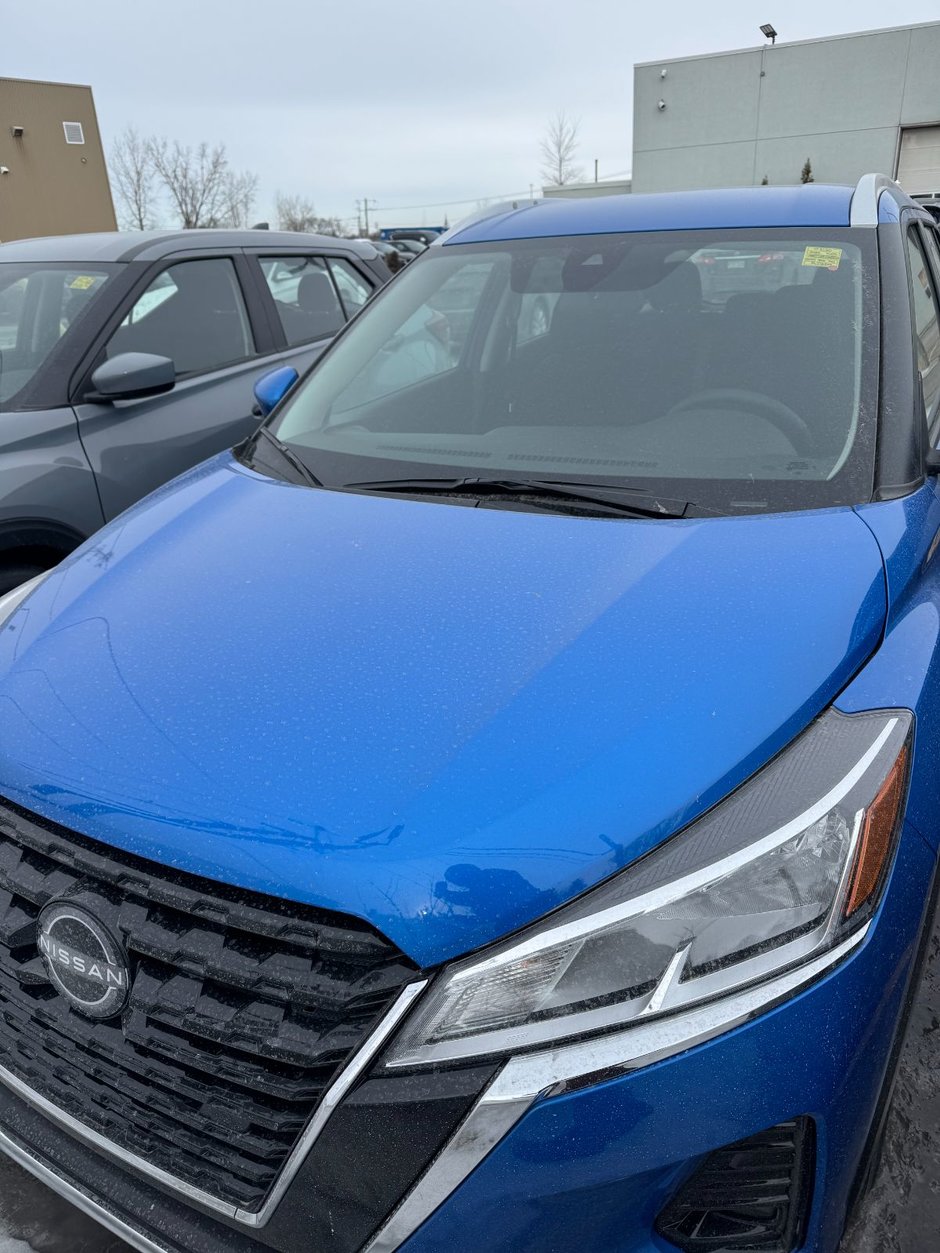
(304, 475)
(635, 502)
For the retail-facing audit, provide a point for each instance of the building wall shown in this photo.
(52, 187)
(604, 187)
(733, 118)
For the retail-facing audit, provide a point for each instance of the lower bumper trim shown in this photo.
(12, 1149)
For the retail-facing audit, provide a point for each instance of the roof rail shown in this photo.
(490, 211)
(868, 189)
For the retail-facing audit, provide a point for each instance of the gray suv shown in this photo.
(127, 358)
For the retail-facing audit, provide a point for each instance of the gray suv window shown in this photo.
(353, 288)
(193, 313)
(304, 296)
(39, 304)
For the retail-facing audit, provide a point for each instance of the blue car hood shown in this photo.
(446, 720)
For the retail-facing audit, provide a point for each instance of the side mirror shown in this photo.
(133, 375)
(272, 387)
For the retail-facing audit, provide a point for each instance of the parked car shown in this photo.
(423, 234)
(722, 274)
(392, 257)
(495, 807)
(410, 247)
(127, 358)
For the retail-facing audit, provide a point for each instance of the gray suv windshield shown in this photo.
(39, 304)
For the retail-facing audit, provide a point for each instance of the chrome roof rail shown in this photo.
(868, 189)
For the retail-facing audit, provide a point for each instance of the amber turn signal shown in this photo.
(878, 830)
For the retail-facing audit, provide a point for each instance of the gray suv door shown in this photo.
(193, 312)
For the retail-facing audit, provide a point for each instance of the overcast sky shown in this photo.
(406, 105)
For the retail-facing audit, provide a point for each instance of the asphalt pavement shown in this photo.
(900, 1215)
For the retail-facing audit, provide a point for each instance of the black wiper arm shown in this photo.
(630, 501)
(290, 457)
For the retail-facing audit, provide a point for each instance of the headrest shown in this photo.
(315, 293)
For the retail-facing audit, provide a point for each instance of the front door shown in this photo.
(193, 312)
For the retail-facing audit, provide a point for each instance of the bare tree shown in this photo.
(195, 179)
(239, 192)
(329, 226)
(133, 178)
(558, 147)
(297, 213)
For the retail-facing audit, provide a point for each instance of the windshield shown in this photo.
(736, 369)
(39, 304)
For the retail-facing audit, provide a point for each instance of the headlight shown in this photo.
(11, 601)
(781, 871)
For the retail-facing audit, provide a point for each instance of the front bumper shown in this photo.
(591, 1168)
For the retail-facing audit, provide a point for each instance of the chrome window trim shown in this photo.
(864, 207)
(321, 1115)
(117, 1226)
(550, 1072)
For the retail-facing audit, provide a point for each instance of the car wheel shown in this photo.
(17, 572)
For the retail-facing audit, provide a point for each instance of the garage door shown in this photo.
(919, 161)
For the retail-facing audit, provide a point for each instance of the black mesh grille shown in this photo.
(751, 1196)
(241, 1010)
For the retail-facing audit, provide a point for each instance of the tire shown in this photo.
(15, 573)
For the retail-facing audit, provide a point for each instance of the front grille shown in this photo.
(753, 1195)
(242, 1008)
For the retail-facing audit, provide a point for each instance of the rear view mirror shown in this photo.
(132, 375)
(272, 387)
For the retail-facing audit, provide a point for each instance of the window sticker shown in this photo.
(822, 258)
(82, 282)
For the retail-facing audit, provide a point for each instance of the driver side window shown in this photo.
(192, 313)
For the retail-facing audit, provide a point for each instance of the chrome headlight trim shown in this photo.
(524, 1078)
(570, 974)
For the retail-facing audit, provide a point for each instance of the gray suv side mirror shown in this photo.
(131, 375)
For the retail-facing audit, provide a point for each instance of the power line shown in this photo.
(446, 204)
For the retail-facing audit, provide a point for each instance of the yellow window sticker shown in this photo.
(822, 258)
(83, 281)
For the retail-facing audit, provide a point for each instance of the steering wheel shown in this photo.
(775, 412)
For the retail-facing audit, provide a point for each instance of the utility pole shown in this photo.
(364, 206)
(595, 169)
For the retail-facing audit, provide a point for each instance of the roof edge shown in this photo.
(790, 43)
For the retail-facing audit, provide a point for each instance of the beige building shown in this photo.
(53, 177)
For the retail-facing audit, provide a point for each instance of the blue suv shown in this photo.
(495, 807)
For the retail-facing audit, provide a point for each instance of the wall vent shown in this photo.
(73, 132)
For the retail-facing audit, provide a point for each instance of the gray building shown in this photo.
(850, 104)
(605, 187)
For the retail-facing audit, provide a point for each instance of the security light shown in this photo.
(768, 32)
